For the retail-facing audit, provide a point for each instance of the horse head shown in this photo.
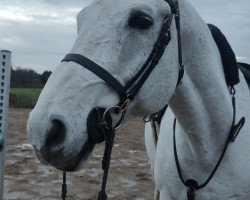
(119, 38)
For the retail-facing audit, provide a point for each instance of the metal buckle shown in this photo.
(167, 19)
(125, 105)
(181, 67)
(116, 110)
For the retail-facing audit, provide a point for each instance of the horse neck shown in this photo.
(201, 103)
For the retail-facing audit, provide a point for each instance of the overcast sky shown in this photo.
(41, 32)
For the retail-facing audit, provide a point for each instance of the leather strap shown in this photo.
(99, 71)
(235, 129)
(154, 58)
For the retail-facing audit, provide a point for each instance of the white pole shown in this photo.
(5, 71)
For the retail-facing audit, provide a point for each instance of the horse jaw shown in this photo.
(72, 91)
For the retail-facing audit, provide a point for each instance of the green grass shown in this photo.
(24, 97)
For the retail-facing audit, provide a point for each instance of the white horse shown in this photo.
(201, 103)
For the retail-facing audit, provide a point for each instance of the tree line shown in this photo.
(27, 78)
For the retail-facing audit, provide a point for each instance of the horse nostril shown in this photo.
(56, 134)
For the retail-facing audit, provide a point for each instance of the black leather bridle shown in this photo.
(99, 123)
(128, 92)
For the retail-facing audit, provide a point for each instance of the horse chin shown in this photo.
(59, 161)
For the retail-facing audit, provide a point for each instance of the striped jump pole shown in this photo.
(5, 70)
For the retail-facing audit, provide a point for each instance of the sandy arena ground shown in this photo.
(26, 178)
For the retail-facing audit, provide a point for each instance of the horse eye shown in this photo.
(140, 20)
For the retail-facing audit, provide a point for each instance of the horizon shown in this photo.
(39, 35)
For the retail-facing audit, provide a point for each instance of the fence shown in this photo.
(5, 68)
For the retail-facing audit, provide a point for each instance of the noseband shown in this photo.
(99, 123)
